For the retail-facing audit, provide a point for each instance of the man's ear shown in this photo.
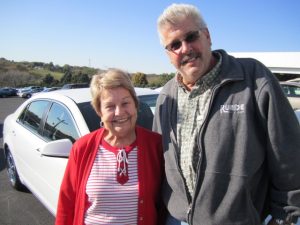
(207, 35)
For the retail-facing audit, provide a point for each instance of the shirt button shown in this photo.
(142, 201)
(141, 218)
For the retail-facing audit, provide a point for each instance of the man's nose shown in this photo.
(185, 47)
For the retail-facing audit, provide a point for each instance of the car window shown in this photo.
(285, 89)
(90, 116)
(60, 124)
(291, 91)
(32, 115)
(296, 91)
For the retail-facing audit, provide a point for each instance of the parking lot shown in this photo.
(17, 208)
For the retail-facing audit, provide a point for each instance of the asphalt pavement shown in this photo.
(16, 207)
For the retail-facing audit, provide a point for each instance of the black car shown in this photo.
(7, 91)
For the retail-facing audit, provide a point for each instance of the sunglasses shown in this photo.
(190, 37)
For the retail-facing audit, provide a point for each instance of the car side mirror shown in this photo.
(58, 148)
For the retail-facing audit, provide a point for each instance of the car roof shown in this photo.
(145, 91)
(80, 95)
(294, 80)
(77, 95)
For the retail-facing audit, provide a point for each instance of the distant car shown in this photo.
(38, 136)
(7, 92)
(28, 91)
(76, 85)
(47, 90)
(51, 89)
(292, 92)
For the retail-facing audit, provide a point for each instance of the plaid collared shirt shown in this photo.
(192, 109)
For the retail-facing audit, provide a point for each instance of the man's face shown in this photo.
(189, 50)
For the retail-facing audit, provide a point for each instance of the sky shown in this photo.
(122, 33)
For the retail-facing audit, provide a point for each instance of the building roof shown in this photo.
(277, 62)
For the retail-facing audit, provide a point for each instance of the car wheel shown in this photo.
(12, 172)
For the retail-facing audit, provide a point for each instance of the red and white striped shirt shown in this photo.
(110, 201)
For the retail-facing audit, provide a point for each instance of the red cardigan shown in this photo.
(73, 199)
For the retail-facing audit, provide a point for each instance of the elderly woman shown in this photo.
(113, 174)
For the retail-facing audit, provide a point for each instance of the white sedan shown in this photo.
(38, 136)
(297, 112)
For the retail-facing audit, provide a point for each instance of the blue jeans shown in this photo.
(172, 221)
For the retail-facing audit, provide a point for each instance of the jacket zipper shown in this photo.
(190, 211)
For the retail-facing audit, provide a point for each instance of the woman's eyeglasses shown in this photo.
(190, 37)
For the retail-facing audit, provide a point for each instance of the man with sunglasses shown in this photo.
(231, 139)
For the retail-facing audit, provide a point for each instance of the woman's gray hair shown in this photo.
(176, 13)
(110, 79)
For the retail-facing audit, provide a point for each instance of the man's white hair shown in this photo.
(176, 13)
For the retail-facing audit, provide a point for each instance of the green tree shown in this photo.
(139, 80)
(50, 66)
(66, 68)
(165, 77)
(160, 80)
(48, 80)
(81, 78)
(16, 78)
(66, 78)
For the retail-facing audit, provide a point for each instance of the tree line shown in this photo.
(20, 74)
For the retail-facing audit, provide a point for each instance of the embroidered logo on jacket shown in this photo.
(235, 108)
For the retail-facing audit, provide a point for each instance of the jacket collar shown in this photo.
(231, 69)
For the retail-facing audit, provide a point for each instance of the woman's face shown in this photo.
(118, 111)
